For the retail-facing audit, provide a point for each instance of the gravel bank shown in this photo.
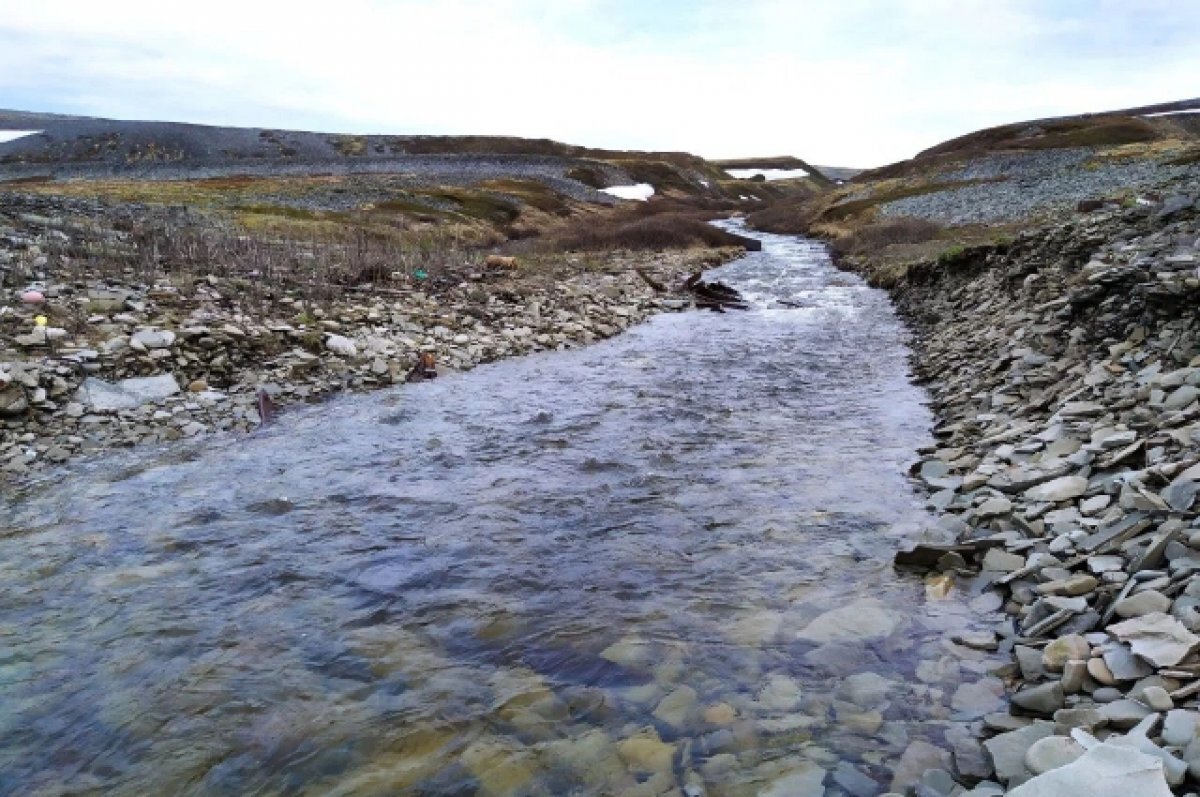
(1065, 371)
(154, 362)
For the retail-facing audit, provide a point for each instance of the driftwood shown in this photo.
(714, 295)
(653, 283)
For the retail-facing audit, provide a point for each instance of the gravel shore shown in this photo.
(123, 361)
(1065, 371)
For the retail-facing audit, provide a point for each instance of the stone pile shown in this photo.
(1065, 371)
(121, 362)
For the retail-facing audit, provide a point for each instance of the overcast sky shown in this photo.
(838, 82)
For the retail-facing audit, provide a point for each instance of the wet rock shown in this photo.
(805, 779)
(973, 700)
(917, 758)
(678, 709)
(860, 620)
(646, 752)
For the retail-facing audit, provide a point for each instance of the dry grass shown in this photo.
(879, 235)
(653, 232)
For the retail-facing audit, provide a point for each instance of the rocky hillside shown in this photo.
(987, 186)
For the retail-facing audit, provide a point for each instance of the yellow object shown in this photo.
(938, 587)
(40, 320)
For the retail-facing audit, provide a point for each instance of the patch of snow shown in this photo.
(1169, 113)
(770, 174)
(745, 198)
(13, 135)
(641, 191)
(705, 184)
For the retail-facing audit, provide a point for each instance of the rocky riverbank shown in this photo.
(1065, 371)
(92, 359)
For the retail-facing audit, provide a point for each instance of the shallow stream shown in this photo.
(658, 565)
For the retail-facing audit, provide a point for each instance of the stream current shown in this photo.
(657, 565)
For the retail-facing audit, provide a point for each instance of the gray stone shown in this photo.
(1051, 753)
(101, 396)
(1142, 603)
(1002, 561)
(1180, 496)
(1179, 727)
(1063, 488)
(1157, 698)
(152, 339)
(13, 401)
(1041, 699)
(1074, 675)
(1124, 714)
(1007, 750)
(1122, 665)
(1061, 650)
(1066, 719)
(1106, 770)
(1181, 397)
(1159, 638)
(993, 507)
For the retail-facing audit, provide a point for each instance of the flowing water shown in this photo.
(658, 565)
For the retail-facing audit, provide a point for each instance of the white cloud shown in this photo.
(852, 82)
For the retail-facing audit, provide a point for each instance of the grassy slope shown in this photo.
(315, 203)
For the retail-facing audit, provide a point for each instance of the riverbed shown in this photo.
(657, 565)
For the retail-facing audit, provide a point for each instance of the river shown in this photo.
(657, 565)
